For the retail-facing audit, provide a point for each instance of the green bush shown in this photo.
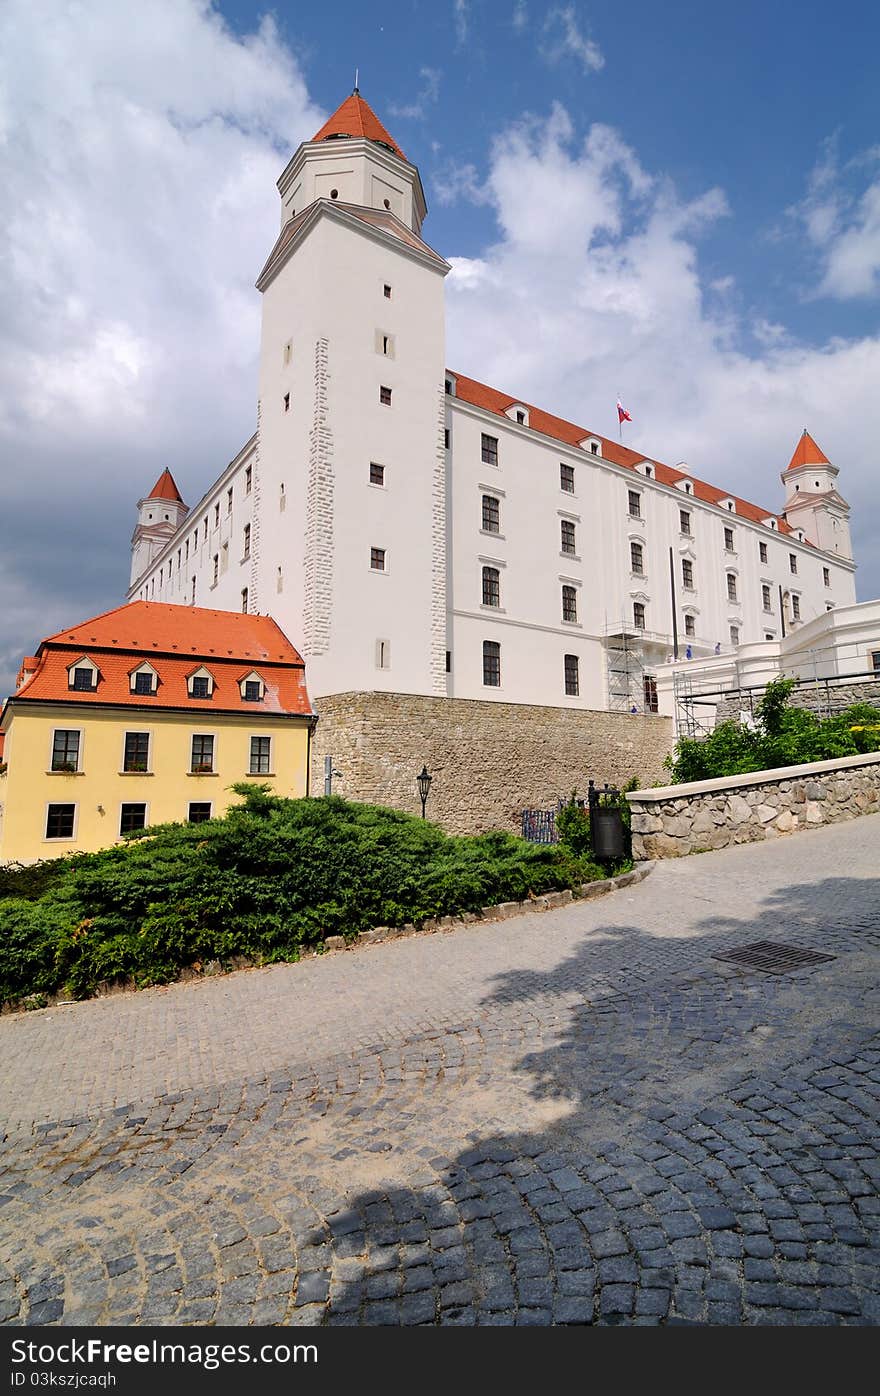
(781, 736)
(269, 878)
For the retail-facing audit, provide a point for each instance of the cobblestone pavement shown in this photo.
(573, 1117)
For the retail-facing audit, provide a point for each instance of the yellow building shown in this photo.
(143, 715)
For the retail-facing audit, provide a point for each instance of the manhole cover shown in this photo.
(773, 957)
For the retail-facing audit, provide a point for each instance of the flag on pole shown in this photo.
(622, 414)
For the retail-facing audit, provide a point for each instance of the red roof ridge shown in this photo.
(165, 488)
(806, 452)
(354, 117)
(493, 400)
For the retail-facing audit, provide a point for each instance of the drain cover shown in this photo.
(773, 957)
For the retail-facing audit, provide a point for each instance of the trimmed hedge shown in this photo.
(269, 878)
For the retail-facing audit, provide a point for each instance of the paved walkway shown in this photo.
(568, 1117)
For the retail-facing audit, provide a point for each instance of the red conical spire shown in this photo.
(356, 118)
(165, 488)
(806, 452)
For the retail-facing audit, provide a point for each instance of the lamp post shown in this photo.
(423, 781)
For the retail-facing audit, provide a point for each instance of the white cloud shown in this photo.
(139, 148)
(562, 38)
(841, 225)
(594, 287)
(520, 16)
(461, 20)
(427, 96)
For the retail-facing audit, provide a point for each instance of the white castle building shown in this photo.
(414, 531)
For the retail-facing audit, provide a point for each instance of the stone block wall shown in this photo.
(681, 819)
(489, 760)
(823, 699)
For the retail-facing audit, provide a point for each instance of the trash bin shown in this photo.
(606, 828)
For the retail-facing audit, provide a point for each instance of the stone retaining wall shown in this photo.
(823, 700)
(489, 760)
(681, 819)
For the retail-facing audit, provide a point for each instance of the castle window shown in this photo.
(216, 571)
(136, 754)
(179, 555)
(288, 350)
(569, 604)
(334, 193)
(690, 626)
(377, 474)
(192, 599)
(217, 515)
(60, 820)
(247, 543)
(261, 751)
(65, 750)
(649, 470)
(386, 291)
(792, 563)
(826, 576)
(229, 501)
(762, 552)
(649, 689)
(572, 676)
(567, 536)
(521, 417)
(448, 387)
(491, 514)
(687, 573)
(199, 811)
(206, 528)
(734, 635)
(202, 759)
(244, 600)
(795, 608)
(383, 654)
(728, 540)
(566, 478)
(639, 615)
(765, 597)
(248, 478)
(491, 664)
(684, 522)
(252, 691)
(594, 447)
(637, 559)
(446, 438)
(132, 817)
(491, 586)
(287, 402)
(634, 504)
(489, 449)
(731, 587)
(377, 559)
(385, 396)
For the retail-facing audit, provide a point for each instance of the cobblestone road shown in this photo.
(573, 1117)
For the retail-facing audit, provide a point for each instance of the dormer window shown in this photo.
(450, 385)
(82, 676)
(686, 486)
(200, 684)
(143, 680)
(591, 444)
(252, 688)
(646, 468)
(519, 413)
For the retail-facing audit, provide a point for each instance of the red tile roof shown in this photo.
(491, 400)
(806, 452)
(175, 640)
(165, 488)
(356, 118)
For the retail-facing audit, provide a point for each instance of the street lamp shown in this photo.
(423, 781)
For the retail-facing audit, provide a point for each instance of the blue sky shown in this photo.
(679, 203)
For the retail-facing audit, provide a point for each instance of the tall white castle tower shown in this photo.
(350, 444)
(159, 516)
(812, 502)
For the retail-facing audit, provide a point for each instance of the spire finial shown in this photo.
(357, 90)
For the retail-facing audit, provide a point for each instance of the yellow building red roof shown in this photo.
(175, 640)
(492, 400)
(356, 118)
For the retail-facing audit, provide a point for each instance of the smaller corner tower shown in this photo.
(812, 500)
(160, 514)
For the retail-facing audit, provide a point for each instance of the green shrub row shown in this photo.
(269, 878)
(781, 736)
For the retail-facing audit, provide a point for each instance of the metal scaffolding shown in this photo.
(625, 667)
